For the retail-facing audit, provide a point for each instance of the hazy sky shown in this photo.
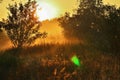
(61, 5)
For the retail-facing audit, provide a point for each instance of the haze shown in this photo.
(51, 27)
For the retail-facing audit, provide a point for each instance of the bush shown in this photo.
(8, 63)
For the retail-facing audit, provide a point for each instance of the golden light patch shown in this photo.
(46, 11)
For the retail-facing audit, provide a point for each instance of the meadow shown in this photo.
(53, 62)
(78, 45)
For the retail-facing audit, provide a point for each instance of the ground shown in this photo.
(53, 62)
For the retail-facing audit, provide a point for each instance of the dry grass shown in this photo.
(52, 62)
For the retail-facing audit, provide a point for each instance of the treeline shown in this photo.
(96, 24)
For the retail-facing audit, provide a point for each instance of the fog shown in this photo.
(54, 35)
(4, 41)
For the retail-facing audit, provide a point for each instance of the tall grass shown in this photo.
(52, 62)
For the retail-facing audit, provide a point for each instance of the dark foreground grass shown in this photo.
(52, 62)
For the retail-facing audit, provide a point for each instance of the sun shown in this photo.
(46, 11)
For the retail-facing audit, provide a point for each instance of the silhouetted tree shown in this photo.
(1, 25)
(112, 27)
(22, 25)
(95, 24)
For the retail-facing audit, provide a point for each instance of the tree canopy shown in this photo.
(22, 25)
(96, 24)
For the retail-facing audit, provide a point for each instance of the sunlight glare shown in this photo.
(46, 11)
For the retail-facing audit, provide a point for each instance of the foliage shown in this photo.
(22, 25)
(7, 60)
(97, 25)
(8, 63)
(58, 66)
(1, 25)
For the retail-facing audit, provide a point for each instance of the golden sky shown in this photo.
(60, 5)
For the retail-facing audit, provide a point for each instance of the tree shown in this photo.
(112, 29)
(95, 24)
(85, 23)
(1, 24)
(22, 25)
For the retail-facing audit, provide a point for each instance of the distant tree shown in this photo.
(95, 24)
(22, 25)
(1, 24)
(1, 1)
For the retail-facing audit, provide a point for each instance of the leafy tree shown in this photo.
(112, 29)
(97, 25)
(85, 23)
(22, 25)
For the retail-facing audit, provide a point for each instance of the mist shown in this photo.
(4, 41)
(54, 35)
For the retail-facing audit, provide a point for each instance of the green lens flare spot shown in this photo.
(75, 60)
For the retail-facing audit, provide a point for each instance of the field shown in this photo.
(53, 62)
(59, 40)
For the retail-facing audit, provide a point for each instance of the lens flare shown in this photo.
(76, 60)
